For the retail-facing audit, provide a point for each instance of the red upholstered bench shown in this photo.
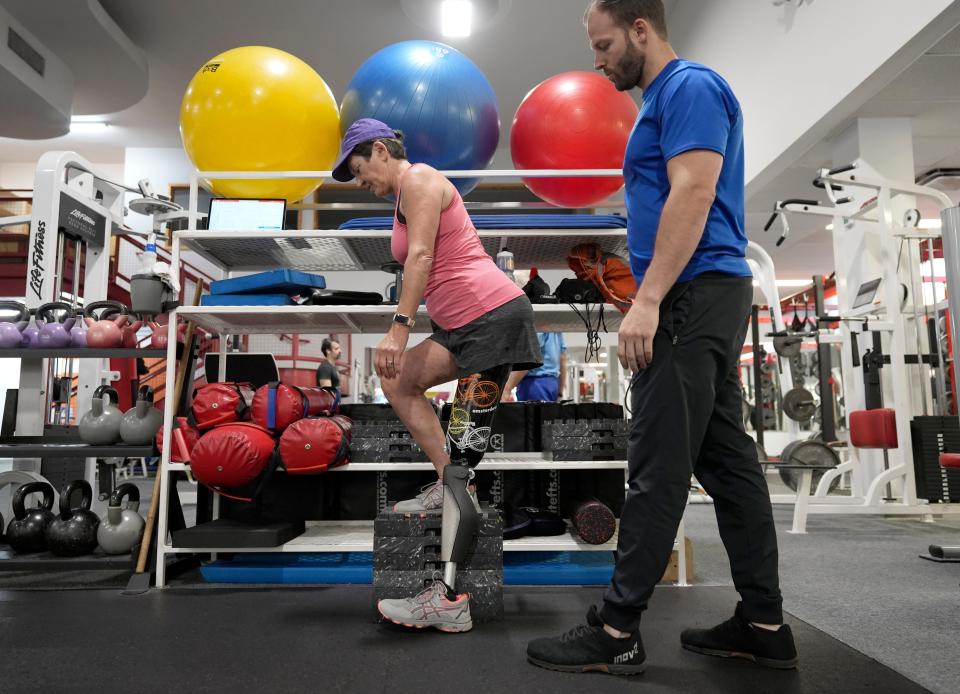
(950, 460)
(874, 428)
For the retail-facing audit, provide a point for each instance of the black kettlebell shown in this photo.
(74, 533)
(27, 527)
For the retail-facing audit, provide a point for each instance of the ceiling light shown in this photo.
(87, 124)
(456, 17)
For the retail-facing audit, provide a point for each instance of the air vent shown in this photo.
(25, 51)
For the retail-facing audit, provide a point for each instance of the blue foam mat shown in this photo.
(519, 568)
(284, 281)
(246, 300)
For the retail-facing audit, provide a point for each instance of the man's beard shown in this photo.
(629, 71)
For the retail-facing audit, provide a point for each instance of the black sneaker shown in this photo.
(737, 638)
(588, 648)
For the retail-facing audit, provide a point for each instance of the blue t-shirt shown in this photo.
(687, 107)
(551, 345)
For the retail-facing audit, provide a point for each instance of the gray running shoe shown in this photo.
(431, 608)
(430, 498)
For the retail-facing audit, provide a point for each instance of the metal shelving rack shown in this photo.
(319, 250)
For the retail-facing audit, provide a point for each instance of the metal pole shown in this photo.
(942, 403)
(951, 261)
(825, 367)
(757, 390)
(924, 374)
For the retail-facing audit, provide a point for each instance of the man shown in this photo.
(545, 382)
(327, 374)
(683, 171)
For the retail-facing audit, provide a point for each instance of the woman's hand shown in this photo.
(390, 352)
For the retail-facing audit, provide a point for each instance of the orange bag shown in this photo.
(608, 272)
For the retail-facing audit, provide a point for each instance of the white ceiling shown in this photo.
(928, 92)
(527, 41)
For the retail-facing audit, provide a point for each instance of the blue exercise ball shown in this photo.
(441, 101)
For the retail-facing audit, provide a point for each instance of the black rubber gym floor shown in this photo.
(323, 640)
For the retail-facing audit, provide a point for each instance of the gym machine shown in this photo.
(891, 312)
(75, 208)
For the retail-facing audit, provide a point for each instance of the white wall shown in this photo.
(164, 166)
(19, 175)
(799, 72)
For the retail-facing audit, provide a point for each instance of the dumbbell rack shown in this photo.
(318, 250)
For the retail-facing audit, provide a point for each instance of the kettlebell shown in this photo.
(128, 332)
(54, 330)
(140, 423)
(27, 527)
(30, 333)
(101, 331)
(121, 528)
(74, 532)
(11, 327)
(100, 426)
(78, 333)
(159, 339)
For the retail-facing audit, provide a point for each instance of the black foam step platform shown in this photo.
(228, 533)
(583, 427)
(485, 589)
(596, 454)
(390, 523)
(423, 553)
(409, 456)
(585, 443)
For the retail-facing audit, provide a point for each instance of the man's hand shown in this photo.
(635, 343)
(390, 352)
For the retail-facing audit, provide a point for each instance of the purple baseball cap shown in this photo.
(362, 130)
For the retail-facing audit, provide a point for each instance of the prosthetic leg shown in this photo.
(468, 434)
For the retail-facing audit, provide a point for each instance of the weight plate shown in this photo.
(799, 405)
(809, 452)
(787, 346)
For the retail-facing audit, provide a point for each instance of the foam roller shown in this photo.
(594, 522)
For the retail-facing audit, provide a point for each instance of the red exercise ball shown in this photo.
(574, 120)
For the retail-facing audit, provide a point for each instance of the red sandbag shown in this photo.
(221, 403)
(277, 405)
(312, 446)
(184, 438)
(232, 455)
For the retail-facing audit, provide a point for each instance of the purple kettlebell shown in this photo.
(31, 333)
(54, 328)
(11, 327)
(78, 333)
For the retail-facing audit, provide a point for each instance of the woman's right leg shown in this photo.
(424, 366)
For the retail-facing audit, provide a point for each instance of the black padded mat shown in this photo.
(215, 639)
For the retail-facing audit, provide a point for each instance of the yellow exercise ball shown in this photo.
(255, 108)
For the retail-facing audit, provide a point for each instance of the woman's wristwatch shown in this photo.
(403, 320)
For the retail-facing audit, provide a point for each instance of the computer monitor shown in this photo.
(236, 214)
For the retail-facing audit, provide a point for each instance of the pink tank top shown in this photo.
(464, 282)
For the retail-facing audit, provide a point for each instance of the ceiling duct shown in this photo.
(36, 87)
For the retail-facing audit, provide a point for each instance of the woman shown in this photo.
(482, 329)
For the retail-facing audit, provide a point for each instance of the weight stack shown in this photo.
(586, 439)
(932, 436)
(406, 556)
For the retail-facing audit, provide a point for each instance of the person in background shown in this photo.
(545, 382)
(327, 374)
